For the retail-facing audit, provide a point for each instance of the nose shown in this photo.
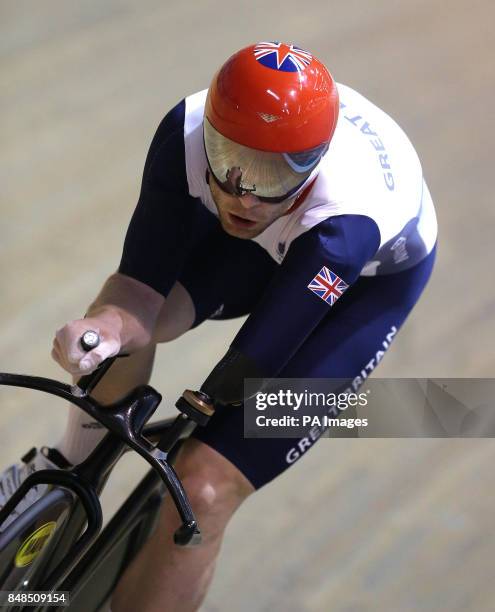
(248, 201)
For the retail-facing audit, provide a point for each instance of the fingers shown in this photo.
(68, 352)
(93, 358)
(68, 338)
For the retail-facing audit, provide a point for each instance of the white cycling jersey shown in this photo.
(371, 169)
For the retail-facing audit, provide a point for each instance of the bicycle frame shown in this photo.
(77, 556)
(138, 512)
(126, 419)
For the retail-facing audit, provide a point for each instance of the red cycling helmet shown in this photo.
(270, 114)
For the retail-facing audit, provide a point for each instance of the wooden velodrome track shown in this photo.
(395, 525)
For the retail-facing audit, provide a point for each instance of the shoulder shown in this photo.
(371, 158)
(346, 242)
(176, 159)
(371, 169)
(164, 167)
(195, 156)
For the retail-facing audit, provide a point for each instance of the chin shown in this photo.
(241, 233)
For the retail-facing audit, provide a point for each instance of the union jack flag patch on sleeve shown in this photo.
(328, 286)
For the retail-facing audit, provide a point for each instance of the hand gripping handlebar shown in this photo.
(126, 419)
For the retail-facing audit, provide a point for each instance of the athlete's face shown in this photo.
(245, 216)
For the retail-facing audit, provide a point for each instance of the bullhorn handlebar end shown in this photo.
(188, 534)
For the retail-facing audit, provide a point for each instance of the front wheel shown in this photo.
(26, 543)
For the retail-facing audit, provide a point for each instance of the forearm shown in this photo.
(131, 308)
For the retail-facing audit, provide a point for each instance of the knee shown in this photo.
(213, 503)
(206, 494)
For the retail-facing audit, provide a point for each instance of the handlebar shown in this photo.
(126, 419)
(89, 341)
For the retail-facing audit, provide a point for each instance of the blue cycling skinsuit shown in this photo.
(326, 286)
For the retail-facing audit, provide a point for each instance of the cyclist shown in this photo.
(282, 195)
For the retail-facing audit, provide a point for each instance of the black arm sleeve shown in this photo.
(154, 247)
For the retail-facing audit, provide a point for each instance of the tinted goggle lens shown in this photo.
(240, 189)
(271, 177)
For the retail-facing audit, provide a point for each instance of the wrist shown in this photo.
(109, 318)
(125, 326)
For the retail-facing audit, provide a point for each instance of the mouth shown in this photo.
(240, 222)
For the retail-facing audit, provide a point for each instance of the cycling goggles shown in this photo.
(271, 177)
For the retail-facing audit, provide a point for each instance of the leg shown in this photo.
(164, 576)
(347, 344)
(82, 433)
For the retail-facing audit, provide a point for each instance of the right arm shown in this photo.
(126, 310)
(124, 315)
(131, 307)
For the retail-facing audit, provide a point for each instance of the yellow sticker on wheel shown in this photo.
(33, 544)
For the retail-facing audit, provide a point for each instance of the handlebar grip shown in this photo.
(89, 340)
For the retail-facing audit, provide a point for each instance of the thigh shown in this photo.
(348, 343)
(126, 374)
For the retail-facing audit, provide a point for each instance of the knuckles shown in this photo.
(68, 353)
